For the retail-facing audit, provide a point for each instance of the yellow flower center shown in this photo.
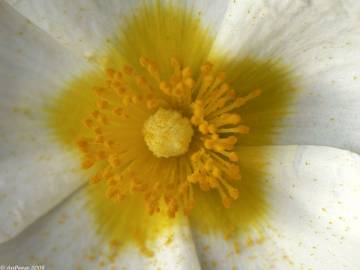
(112, 141)
(167, 133)
(189, 118)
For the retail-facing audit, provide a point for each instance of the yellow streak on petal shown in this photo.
(159, 32)
(67, 112)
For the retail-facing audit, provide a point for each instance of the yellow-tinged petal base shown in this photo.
(125, 220)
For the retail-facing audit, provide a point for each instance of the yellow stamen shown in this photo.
(188, 123)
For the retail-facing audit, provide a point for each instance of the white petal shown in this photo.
(314, 216)
(180, 253)
(67, 239)
(84, 26)
(35, 173)
(319, 41)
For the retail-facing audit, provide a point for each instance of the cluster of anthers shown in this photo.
(165, 138)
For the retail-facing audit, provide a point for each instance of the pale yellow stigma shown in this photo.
(167, 133)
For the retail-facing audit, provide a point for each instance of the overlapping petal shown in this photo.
(314, 218)
(36, 172)
(67, 239)
(314, 192)
(318, 41)
(86, 26)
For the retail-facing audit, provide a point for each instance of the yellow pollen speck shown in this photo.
(167, 133)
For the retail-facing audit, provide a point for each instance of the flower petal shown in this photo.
(319, 41)
(35, 173)
(66, 239)
(86, 26)
(314, 197)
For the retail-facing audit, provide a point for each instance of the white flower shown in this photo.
(299, 203)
